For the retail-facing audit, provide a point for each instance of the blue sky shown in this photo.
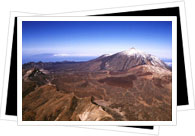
(94, 38)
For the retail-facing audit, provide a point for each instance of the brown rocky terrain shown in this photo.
(128, 86)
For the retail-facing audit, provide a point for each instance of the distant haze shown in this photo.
(54, 58)
(85, 40)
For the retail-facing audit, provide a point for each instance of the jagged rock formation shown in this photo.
(46, 103)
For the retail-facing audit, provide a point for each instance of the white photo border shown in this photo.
(104, 18)
(14, 14)
(129, 8)
(129, 129)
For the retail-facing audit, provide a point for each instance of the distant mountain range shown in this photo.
(127, 86)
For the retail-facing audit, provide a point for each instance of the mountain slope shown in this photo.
(46, 103)
(125, 60)
(129, 85)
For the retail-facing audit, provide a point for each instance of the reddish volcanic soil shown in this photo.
(137, 94)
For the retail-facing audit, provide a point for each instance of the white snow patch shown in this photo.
(133, 52)
(169, 63)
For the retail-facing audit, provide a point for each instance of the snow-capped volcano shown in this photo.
(127, 59)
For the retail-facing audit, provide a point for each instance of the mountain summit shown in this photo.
(132, 51)
(125, 60)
